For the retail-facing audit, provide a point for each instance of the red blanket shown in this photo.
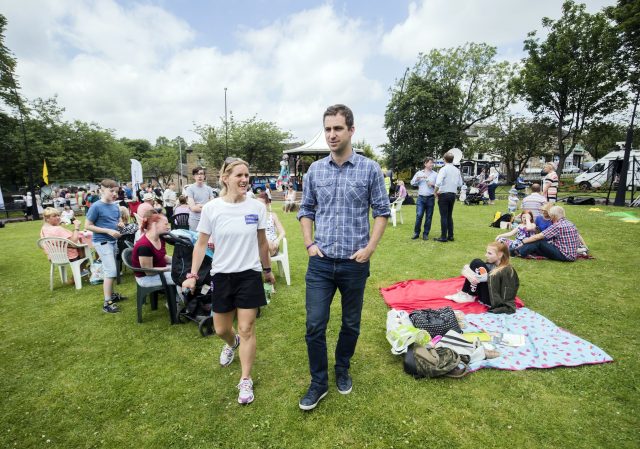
(430, 294)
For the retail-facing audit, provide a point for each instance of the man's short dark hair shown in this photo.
(197, 169)
(428, 159)
(448, 157)
(342, 110)
(535, 187)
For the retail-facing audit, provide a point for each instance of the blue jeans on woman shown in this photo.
(424, 206)
(324, 276)
(492, 191)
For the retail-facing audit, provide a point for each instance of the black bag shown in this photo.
(581, 201)
(435, 321)
(503, 217)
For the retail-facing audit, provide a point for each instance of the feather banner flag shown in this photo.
(45, 173)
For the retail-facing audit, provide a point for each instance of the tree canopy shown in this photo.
(572, 76)
(441, 97)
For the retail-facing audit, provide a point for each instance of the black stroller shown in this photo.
(476, 193)
(197, 305)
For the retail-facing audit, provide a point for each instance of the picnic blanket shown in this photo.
(418, 294)
(546, 345)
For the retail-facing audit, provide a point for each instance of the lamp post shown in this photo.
(226, 126)
(180, 177)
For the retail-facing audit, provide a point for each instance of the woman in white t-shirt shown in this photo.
(236, 225)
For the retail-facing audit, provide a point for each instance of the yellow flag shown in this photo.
(45, 173)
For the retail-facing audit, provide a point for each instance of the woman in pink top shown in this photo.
(52, 228)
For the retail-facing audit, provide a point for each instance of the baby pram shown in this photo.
(476, 193)
(197, 305)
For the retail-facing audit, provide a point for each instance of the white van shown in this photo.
(609, 166)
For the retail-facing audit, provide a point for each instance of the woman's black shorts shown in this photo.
(243, 290)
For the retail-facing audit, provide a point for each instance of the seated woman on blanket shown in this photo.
(494, 282)
(543, 221)
(149, 251)
(274, 230)
(525, 229)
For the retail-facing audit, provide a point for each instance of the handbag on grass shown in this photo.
(435, 321)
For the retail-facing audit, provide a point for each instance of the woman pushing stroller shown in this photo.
(237, 225)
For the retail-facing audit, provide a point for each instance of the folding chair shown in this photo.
(282, 260)
(56, 249)
(143, 292)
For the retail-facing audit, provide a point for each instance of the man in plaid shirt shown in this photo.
(560, 241)
(337, 194)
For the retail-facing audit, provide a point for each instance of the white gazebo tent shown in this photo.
(316, 148)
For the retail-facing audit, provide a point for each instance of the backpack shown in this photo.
(503, 217)
(421, 362)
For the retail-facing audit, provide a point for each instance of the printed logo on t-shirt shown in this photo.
(251, 219)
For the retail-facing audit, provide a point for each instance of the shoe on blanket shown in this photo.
(491, 354)
(461, 297)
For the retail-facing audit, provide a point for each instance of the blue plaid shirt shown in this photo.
(337, 199)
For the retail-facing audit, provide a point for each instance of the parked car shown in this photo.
(572, 170)
(259, 182)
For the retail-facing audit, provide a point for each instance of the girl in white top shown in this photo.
(236, 225)
(274, 230)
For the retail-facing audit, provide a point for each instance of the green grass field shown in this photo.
(75, 377)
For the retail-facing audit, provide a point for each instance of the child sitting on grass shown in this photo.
(525, 229)
(494, 282)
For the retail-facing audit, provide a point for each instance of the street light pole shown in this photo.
(180, 178)
(226, 126)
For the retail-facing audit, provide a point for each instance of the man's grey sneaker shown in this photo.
(344, 383)
(313, 396)
(110, 307)
(117, 297)
(226, 356)
(246, 391)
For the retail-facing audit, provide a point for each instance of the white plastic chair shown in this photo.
(396, 209)
(56, 249)
(282, 260)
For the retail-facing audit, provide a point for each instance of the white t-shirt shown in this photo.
(234, 231)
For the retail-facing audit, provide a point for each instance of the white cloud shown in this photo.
(445, 23)
(135, 68)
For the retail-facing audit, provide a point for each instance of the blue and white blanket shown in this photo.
(546, 345)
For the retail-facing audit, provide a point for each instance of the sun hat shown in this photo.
(147, 196)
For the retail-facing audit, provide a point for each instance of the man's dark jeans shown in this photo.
(542, 248)
(446, 201)
(424, 207)
(324, 276)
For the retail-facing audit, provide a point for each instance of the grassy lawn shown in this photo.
(73, 376)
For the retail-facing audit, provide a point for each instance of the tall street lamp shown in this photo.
(180, 177)
(226, 126)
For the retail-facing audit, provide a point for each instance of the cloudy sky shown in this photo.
(154, 68)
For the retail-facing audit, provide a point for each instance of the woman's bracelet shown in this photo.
(266, 269)
(193, 276)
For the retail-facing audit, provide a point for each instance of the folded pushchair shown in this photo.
(476, 193)
(197, 304)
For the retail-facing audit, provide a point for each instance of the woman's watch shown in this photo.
(266, 269)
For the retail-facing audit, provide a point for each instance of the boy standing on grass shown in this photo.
(102, 219)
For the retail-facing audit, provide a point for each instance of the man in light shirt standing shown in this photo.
(425, 180)
(198, 195)
(448, 182)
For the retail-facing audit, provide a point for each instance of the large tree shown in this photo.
(515, 140)
(627, 16)
(572, 76)
(258, 142)
(441, 97)
(600, 138)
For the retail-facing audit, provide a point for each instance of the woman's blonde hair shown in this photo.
(227, 167)
(550, 165)
(124, 214)
(505, 260)
(50, 212)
